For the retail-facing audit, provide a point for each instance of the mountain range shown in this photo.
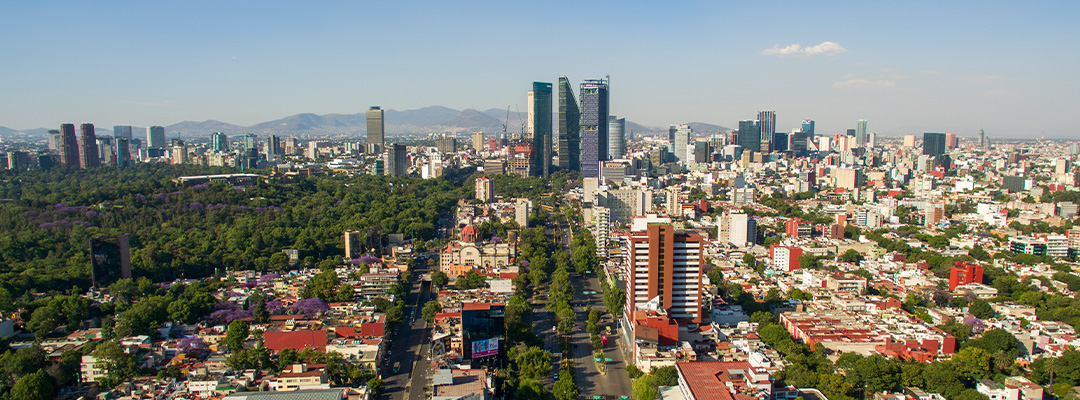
(432, 119)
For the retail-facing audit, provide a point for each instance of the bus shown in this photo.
(397, 367)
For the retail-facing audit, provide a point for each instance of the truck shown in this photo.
(397, 367)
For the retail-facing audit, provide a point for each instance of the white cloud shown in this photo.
(860, 83)
(825, 48)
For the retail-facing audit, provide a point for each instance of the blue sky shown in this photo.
(907, 67)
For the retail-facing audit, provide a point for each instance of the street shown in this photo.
(411, 339)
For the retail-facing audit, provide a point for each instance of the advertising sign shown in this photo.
(482, 348)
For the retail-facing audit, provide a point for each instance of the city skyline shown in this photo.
(245, 66)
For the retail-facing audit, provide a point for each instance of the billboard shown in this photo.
(481, 348)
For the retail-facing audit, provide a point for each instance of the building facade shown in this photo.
(569, 127)
(594, 126)
(664, 264)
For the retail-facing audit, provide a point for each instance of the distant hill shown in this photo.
(432, 119)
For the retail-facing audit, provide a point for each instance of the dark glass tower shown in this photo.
(569, 127)
(749, 135)
(766, 121)
(541, 124)
(594, 126)
(88, 148)
(808, 128)
(933, 144)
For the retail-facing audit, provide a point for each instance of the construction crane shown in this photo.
(506, 121)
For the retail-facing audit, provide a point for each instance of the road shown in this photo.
(616, 382)
(413, 338)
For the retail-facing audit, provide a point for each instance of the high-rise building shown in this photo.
(616, 141)
(540, 122)
(682, 140)
(701, 152)
(780, 141)
(982, 139)
(54, 140)
(122, 131)
(664, 269)
(376, 127)
(594, 126)
(749, 135)
(485, 192)
(155, 136)
(799, 143)
(179, 152)
(110, 260)
(933, 144)
(808, 128)
(860, 133)
(478, 141)
(69, 145)
(123, 152)
(219, 142)
(951, 141)
(396, 160)
(767, 127)
(742, 230)
(569, 127)
(88, 148)
(909, 140)
(353, 246)
(273, 148)
(446, 144)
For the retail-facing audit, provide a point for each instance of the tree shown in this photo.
(994, 341)
(809, 261)
(439, 279)
(852, 256)
(666, 376)
(633, 372)
(565, 388)
(118, 364)
(259, 313)
(762, 317)
(530, 389)
(943, 377)
(375, 384)
(981, 309)
(43, 321)
(645, 388)
(749, 260)
(236, 335)
(534, 363)
(430, 310)
(974, 362)
(35, 386)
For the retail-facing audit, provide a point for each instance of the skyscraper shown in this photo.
(219, 142)
(122, 131)
(123, 152)
(766, 126)
(155, 136)
(478, 141)
(808, 129)
(933, 144)
(780, 141)
(569, 127)
(667, 269)
(69, 145)
(749, 135)
(682, 142)
(616, 141)
(594, 127)
(540, 120)
(982, 139)
(860, 133)
(396, 160)
(273, 148)
(375, 127)
(88, 148)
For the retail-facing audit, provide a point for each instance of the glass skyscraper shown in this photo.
(594, 126)
(219, 141)
(766, 127)
(376, 127)
(616, 139)
(861, 137)
(808, 128)
(933, 144)
(749, 135)
(569, 127)
(541, 126)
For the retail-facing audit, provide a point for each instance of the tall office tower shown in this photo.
(666, 267)
(353, 245)
(671, 134)
(219, 141)
(742, 228)
(155, 136)
(376, 133)
(123, 152)
(951, 141)
(594, 126)
(478, 141)
(69, 145)
(808, 129)
(982, 139)
(933, 144)
(799, 143)
(122, 131)
(780, 141)
(106, 151)
(250, 157)
(701, 152)
(569, 127)
(273, 148)
(860, 133)
(749, 135)
(88, 148)
(616, 141)
(540, 127)
(292, 146)
(179, 152)
(485, 191)
(767, 126)
(682, 142)
(396, 160)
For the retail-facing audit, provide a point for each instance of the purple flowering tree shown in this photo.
(194, 347)
(275, 307)
(310, 307)
(268, 278)
(224, 317)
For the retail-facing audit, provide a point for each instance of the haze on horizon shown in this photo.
(907, 67)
